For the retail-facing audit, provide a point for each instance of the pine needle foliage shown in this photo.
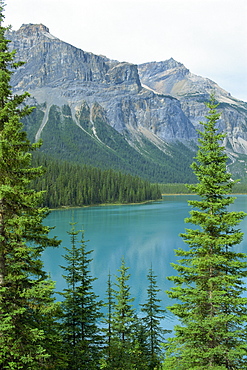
(153, 331)
(81, 308)
(210, 284)
(124, 350)
(108, 319)
(27, 305)
(124, 312)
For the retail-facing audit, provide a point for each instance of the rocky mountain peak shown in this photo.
(57, 64)
(169, 64)
(161, 68)
(30, 30)
(158, 103)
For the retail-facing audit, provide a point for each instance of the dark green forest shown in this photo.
(68, 184)
(63, 138)
(237, 188)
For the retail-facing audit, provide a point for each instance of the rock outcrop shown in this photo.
(173, 78)
(159, 103)
(59, 73)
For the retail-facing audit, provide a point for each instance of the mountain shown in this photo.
(138, 119)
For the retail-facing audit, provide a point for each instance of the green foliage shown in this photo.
(210, 281)
(177, 163)
(32, 122)
(69, 184)
(92, 141)
(27, 308)
(123, 315)
(237, 188)
(125, 347)
(107, 320)
(153, 332)
(174, 189)
(132, 342)
(81, 309)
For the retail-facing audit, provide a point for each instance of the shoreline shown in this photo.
(103, 205)
(127, 204)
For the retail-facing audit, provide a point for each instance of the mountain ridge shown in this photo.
(153, 105)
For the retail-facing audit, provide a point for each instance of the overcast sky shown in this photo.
(208, 36)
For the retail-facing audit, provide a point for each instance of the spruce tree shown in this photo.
(210, 282)
(26, 303)
(123, 346)
(81, 308)
(153, 331)
(108, 319)
(123, 309)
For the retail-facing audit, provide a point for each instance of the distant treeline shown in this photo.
(69, 184)
(239, 188)
(174, 189)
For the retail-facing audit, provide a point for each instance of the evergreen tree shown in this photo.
(123, 348)
(108, 352)
(123, 309)
(210, 277)
(118, 354)
(153, 330)
(27, 306)
(108, 320)
(81, 309)
(70, 184)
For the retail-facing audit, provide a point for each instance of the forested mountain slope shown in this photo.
(138, 119)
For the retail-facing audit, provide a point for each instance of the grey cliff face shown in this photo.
(161, 116)
(173, 78)
(162, 102)
(50, 62)
(59, 73)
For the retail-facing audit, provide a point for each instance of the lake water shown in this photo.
(144, 234)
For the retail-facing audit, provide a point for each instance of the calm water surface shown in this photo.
(144, 235)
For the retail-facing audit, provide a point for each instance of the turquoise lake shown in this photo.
(144, 234)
